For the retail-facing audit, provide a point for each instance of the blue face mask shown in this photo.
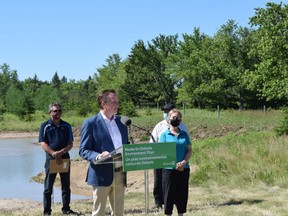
(165, 115)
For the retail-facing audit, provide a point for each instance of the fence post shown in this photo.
(218, 111)
(183, 104)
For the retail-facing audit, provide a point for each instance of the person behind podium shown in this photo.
(56, 138)
(157, 130)
(175, 180)
(101, 135)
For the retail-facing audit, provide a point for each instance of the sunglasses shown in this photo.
(55, 111)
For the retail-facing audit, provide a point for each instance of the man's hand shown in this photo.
(57, 154)
(103, 154)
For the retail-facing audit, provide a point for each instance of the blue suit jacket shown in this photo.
(94, 139)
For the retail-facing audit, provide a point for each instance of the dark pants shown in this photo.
(48, 189)
(175, 190)
(157, 190)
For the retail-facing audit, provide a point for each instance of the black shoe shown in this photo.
(70, 212)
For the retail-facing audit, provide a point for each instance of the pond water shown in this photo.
(20, 160)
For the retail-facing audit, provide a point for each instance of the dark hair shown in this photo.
(103, 97)
(167, 107)
(50, 108)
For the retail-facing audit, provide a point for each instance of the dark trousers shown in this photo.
(157, 190)
(175, 190)
(48, 190)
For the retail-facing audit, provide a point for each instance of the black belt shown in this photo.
(118, 169)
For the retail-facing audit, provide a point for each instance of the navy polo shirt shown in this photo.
(57, 137)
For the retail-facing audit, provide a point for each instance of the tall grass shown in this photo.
(204, 124)
(241, 160)
(10, 122)
(194, 118)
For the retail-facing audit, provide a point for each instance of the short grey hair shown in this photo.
(50, 108)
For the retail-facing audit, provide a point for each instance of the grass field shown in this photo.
(239, 166)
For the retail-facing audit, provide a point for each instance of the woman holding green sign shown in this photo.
(175, 180)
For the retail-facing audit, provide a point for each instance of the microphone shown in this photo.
(126, 121)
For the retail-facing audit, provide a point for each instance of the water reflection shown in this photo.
(20, 159)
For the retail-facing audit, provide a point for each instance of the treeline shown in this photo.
(237, 67)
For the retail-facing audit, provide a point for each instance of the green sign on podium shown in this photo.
(148, 156)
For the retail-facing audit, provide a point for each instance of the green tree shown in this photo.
(56, 82)
(14, 99)
(8, 77)
(112, 75)
(148, 70)
(270, 48)
(45, 95)
(76, 96)
(27, 108)
(230, 46)
(2, 109)
(31, 86)
(88, 95)
(163, 49)
(194, 67)
(63, 80)
(213, 69)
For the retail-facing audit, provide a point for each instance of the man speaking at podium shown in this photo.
(100, 135)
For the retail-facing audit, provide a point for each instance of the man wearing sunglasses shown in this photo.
(56, 138)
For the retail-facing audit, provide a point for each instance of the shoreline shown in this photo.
(18, 134)
(29, 134)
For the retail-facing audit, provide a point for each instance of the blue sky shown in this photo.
(75, 38)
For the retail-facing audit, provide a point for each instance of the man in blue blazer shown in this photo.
(100, 135)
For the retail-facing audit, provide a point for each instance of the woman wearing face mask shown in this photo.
(175, 180)
(157, 130)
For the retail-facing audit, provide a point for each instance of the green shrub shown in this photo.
(282, 128)
(148, 112)
(201, 176)
(83, 111)
(128, 109)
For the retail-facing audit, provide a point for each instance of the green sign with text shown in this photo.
(148, 156)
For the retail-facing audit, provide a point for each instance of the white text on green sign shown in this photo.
(149, 156)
